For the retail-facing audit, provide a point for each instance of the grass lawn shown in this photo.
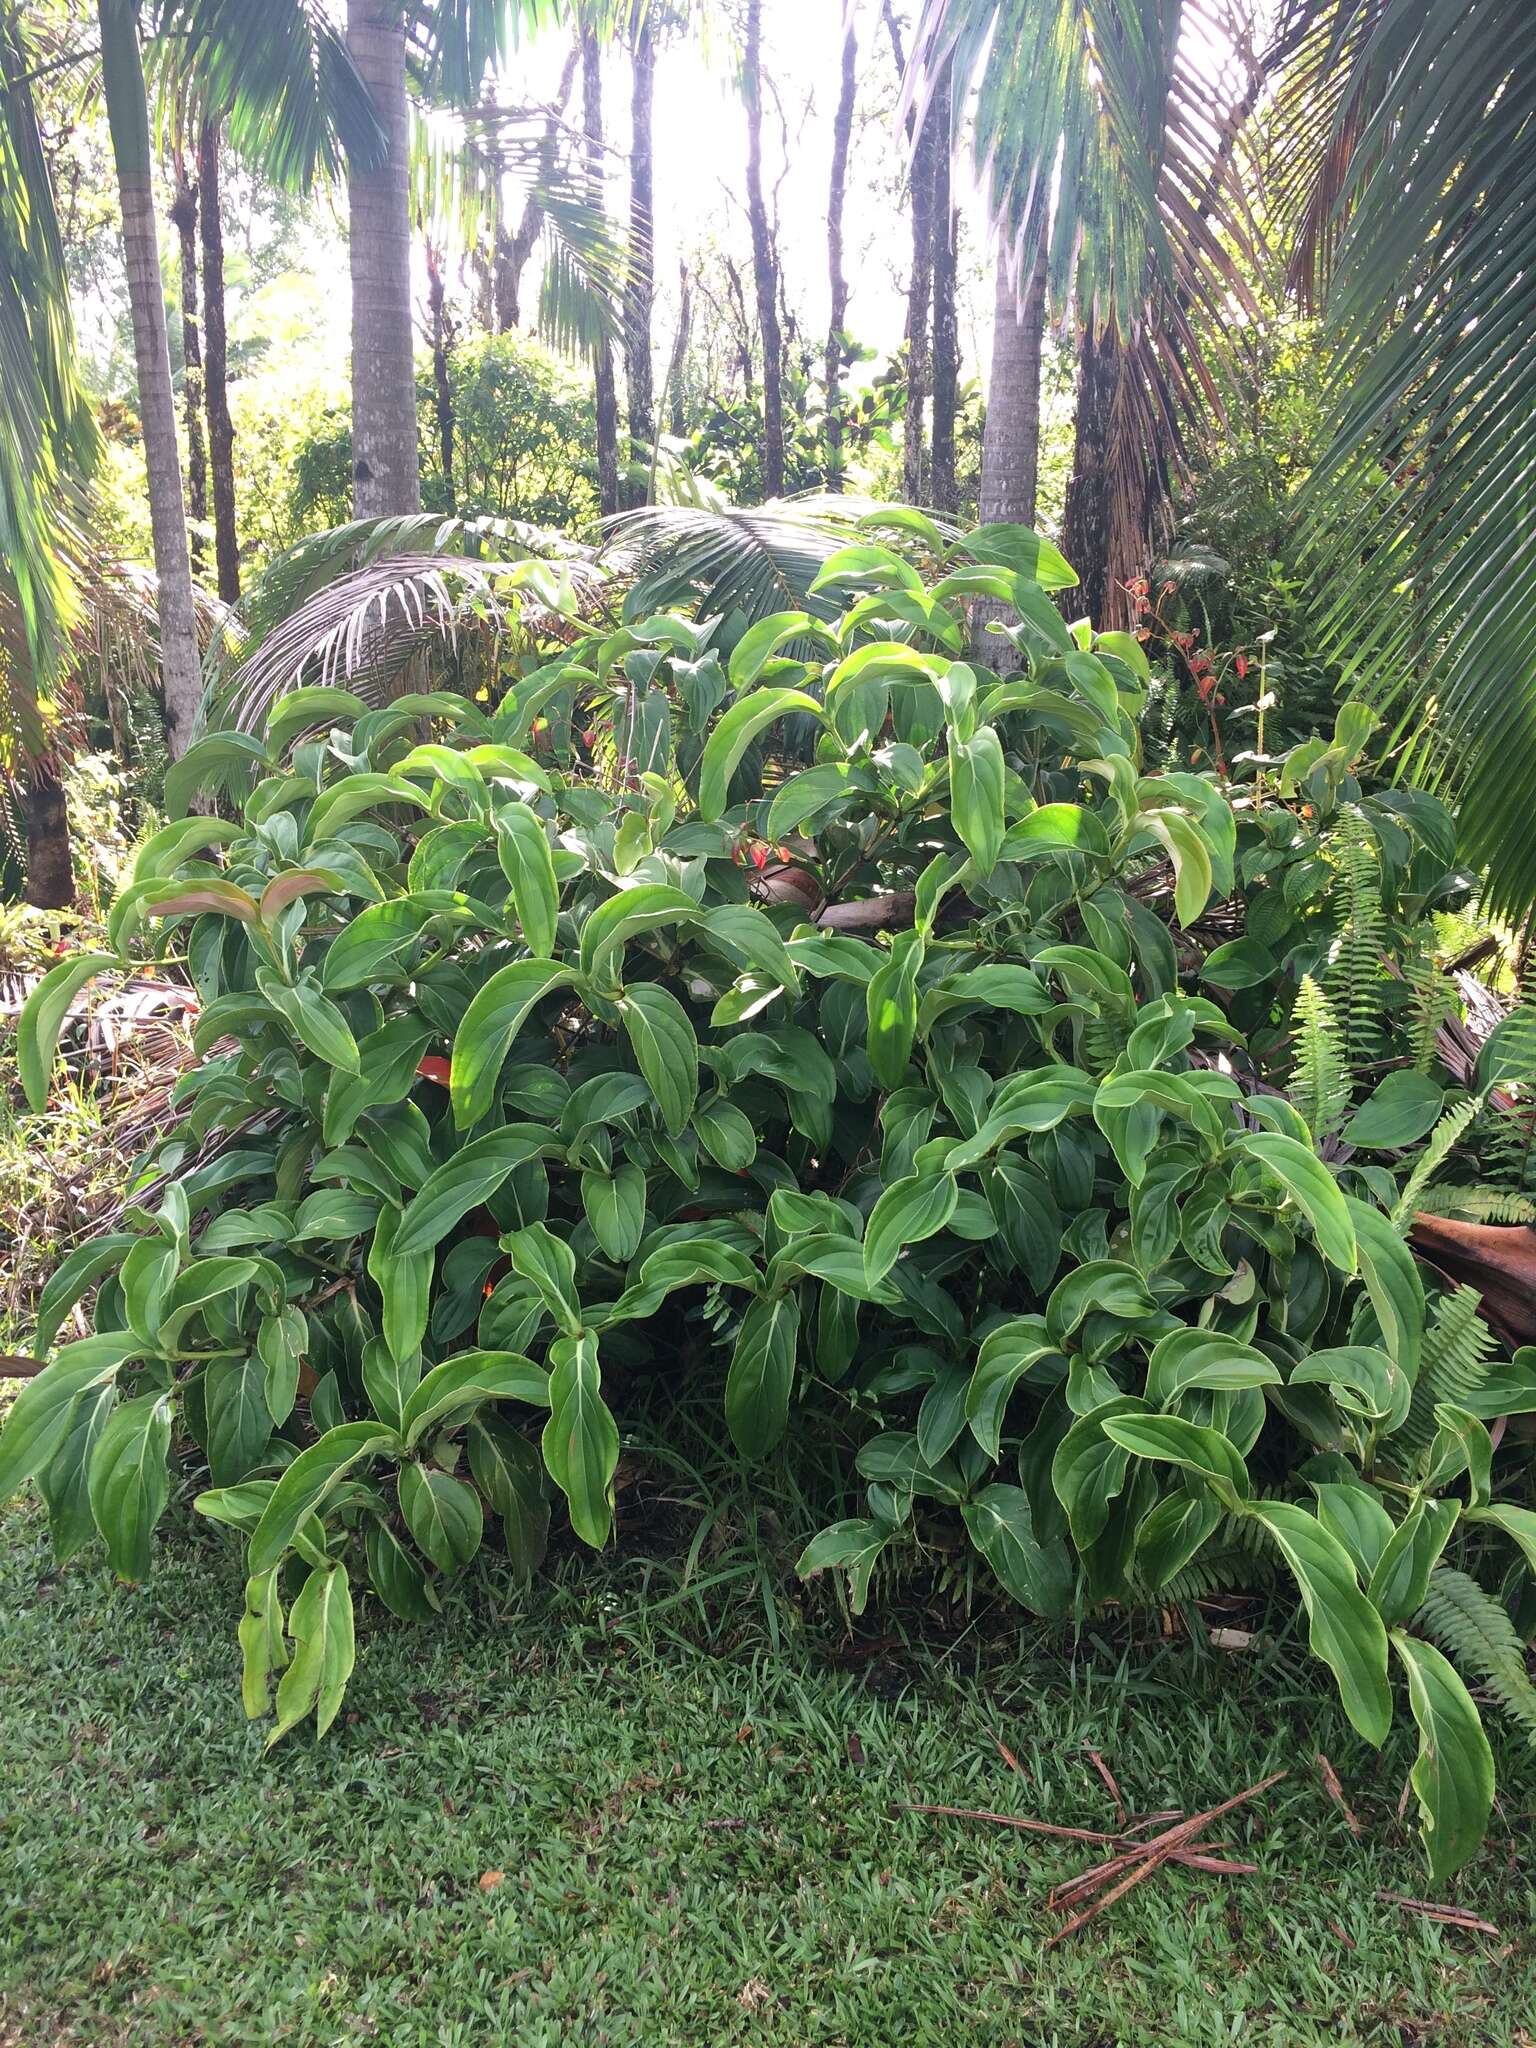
(694, 1836)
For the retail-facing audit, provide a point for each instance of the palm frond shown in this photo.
(462, 164)
(48, 434)
(279, 75)
(355, 606)
(455, 45)
(1415, 180)
(753, 561)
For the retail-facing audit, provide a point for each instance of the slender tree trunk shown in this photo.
(945, 230)
(837, 192)
(442, 382)
(607, 395)
(50, 875)
(1104, 532)
(122, 73)
(764, 266)
(676, 417)
(640, 281)
(184, 220)
(514, 250)
(221, 432)
(386, 473)
(1010, 446)
(914, 471)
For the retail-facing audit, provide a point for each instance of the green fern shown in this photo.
(1476, 1633)
(1320, 1082)
(1354, 973)
(1431, 1002)
(1438, 1147)
(1477, 1204)
(1457, 1346)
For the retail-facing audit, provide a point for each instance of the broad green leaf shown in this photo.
(1173, 1533)
(757, 646)
(313, 1019)
(1038, 1575)
(464, 1181)
(73, 1279)
(761, 1377)
(1088, 1469)
(64, 1482)
(263, 1648)
(734, 732)
(548, 1261)
(304, 1486)
(239, 1424)
(665, 1048)
(853, 1547)
(130, 1482)
(324, 1649)
(510, 1473)
(528, 864)
(377, 943)
(1007, 1354)
(404, 1281)
(281, 1341)
(1403, 1109)
(648, 907)
(1103, 1285)
(1344, 1629)
(1399, 1577)
(1185, 846)
(1241, 963)
(615, 1207)
(1170, 1440)
(42, 1019)
(1453, 1777)
(396, 1574)
(1204, 1358)
(1393, 1284)
(976, 780)
(462, 1382)
(493, 1019)
(891, 1010)
(1312, 1187)
(581, 1438)
(443, 1515)
(909, 1211)
(725, 1133)
(39, 1417)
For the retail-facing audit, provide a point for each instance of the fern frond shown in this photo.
(1319, 1083)
(1454, 1364)
(1438, 1147)
(1354, 974)
(1477, 1204)
(1431, 1001)
(1476, 1633)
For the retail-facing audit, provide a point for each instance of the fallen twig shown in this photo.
(1144, 1858)
(1335, 1792)
(1108, 1777)
(1452, 1916)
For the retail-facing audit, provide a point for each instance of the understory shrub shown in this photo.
(802, 1007)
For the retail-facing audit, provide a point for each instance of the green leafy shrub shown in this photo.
(795, 1016)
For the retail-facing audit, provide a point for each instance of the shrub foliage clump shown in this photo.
(808, 1002)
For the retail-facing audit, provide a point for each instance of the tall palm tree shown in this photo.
(1407, 154)
(293, 99)
(1102, 130)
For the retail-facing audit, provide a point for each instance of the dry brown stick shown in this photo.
(1108, 1777)
(1152, 1855)
(1014, 1820)
(1453, 1916)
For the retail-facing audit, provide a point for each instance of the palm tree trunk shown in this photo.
(221, 431)
(640, 281)
(1010, 444)
(184, 220)
(1010, 447)
(606, 387)
(837, 192)
(50, 874)
(945, 230)
(765, 273)
(1104, 531)
(442, 333)
(122, 71)
(677, 417)
(386, 474)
